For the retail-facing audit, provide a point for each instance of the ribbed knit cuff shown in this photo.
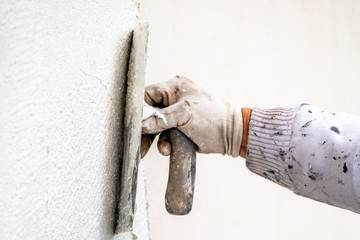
(269, 138)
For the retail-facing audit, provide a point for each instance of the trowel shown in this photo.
(180, 188)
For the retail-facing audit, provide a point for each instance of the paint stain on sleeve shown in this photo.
(345, 169)
(335, 129)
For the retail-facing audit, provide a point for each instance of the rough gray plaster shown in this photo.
(62, 70)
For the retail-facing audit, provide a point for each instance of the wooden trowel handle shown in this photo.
(180, 187)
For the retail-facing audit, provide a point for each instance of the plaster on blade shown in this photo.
(132, 128)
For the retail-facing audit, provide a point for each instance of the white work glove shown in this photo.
(214, 126)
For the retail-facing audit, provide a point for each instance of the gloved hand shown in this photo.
(214, 126)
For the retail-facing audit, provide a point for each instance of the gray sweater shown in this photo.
(314, 153)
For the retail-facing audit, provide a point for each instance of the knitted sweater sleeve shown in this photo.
(314, 153)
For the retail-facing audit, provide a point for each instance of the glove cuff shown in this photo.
(234, 131)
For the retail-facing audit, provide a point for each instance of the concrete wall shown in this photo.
(256, 53)
(62, 70)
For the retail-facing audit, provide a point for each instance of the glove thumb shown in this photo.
(173, 116)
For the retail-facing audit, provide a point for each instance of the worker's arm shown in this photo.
(314, 153)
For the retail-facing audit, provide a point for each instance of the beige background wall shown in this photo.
(256, 53)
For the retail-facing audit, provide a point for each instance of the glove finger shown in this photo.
(160, 94)
(166, 93)
(163, 144)
(175, 115)
(146, 141)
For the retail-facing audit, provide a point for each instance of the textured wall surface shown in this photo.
(62, 70)
(266, 53)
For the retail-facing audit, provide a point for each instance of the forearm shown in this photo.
(312, 152)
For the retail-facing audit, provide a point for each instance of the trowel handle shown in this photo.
(180, 187)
